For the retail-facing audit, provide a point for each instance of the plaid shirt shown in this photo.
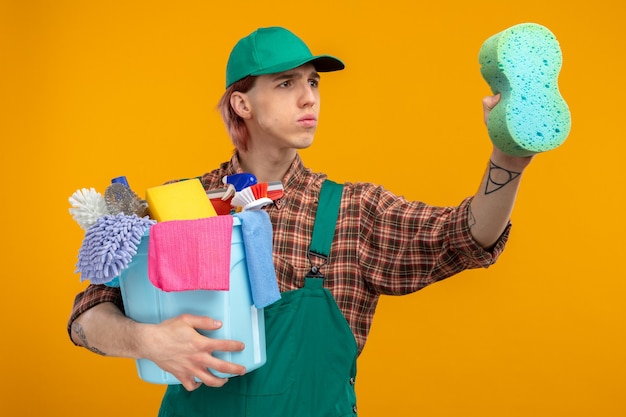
(383, 244)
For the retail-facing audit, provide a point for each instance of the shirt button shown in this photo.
(354, 409)
(352, 381)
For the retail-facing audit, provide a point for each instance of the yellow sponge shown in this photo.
(184, 200)
(522, 63)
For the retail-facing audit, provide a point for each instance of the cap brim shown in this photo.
(327, 63)
(322, 63)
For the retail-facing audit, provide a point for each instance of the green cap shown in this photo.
(271, 50)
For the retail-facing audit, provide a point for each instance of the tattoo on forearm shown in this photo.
(498, 177)
(80, 332)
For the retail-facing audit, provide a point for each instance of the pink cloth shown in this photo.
(191, 254)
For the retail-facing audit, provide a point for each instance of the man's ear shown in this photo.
(240, 104)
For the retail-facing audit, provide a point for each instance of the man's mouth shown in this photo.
(308, 121)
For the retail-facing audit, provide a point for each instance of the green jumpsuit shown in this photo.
(311, 356)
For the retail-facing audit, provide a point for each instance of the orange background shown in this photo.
(90, 90)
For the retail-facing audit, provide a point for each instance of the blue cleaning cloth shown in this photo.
(256, 230)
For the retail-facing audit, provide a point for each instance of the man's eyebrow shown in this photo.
(289, 75)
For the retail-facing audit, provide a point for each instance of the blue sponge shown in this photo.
(522, 63)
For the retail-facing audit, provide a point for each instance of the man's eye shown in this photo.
(314, 83)
(285, 83)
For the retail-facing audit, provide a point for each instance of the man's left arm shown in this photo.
(491, 207)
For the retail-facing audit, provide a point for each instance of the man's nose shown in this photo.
(308, 95)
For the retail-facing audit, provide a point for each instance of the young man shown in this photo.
(383, 244)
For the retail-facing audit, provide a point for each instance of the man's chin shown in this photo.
(305, 143)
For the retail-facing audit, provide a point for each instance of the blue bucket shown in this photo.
(241, 320)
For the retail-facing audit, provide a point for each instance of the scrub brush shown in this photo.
(87, 206)
(252, 198)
